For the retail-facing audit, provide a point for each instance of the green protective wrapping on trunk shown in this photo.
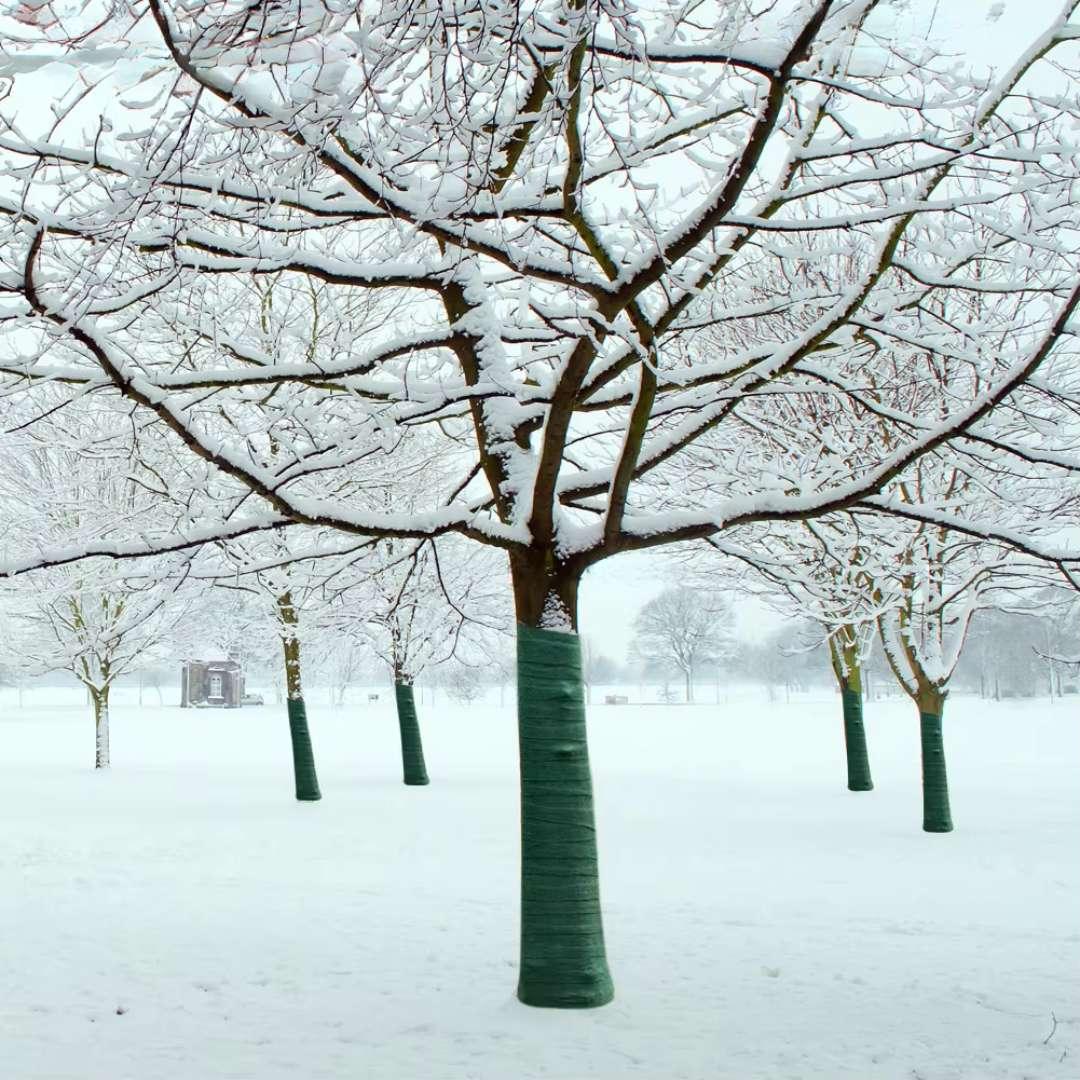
(936, 814)
(563, 962)
(307, 783)
(412, 749)
(858, 760)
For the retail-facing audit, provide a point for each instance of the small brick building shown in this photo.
(212, 683)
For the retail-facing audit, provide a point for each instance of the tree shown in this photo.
(91, 619)
(684, 628)
(786, 657)
(294, 578)
(926, 600)
(343, 664)
(294, 320)
(463, 683)
(812, 571)
(595, 667)
(98, 633)
(953, 496)
(503, 173)
(423, 609)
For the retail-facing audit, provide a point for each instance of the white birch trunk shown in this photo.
(101, 726)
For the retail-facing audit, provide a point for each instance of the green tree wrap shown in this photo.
(412, 749)
(936, 814)
(307, 783)
(563, 963)
(858, 761)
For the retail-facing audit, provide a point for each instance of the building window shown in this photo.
(215, 686)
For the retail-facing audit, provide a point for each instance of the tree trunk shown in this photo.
(563, 960)
(858, 759)
(412, 749)
(307, 782)
(848, 672)
(100, 700)
(689, 687)
(937, 816)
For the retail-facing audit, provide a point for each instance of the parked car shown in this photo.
(252, 699)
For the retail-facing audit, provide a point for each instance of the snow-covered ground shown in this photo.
(182, 918)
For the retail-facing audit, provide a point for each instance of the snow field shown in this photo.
(181, 917)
